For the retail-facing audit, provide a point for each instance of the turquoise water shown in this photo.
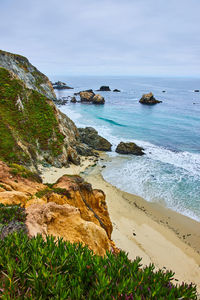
(169, 132)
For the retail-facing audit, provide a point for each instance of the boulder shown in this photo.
(149, 99)
(90, 137)
(116, 90)
(104, 88)
(98, 99)
(129, 148)
(86, 96)
(85, 150)
(73, 100)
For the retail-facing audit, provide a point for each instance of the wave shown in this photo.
(112, 122)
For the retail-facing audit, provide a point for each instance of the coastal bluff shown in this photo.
(29, 74)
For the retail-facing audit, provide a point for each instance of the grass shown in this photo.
(50, 190)
(24, 172)
(38, 269)
(35, 117)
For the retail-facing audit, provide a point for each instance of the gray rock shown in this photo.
(29, 74)
(90, 137)
(104, 88)
(85, 150)
(59, 85)
(129, 148)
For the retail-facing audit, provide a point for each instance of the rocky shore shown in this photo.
(52, 170)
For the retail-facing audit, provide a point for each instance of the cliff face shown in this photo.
(29, 74)
(70, 209)
(32, 129)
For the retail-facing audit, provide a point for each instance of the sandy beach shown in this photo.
(148, 230)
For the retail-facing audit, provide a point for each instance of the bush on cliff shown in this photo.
(38, 269)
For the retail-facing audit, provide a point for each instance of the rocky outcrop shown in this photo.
(59, 85)
(17, 184)
(104, 88)
(90, 137)
(70, 209)
(73, 100)
(116, 90)
(129, 148)
(149, 99)
(86, 96)
(32, 129)
(196, 91)
(98, 99)
(25, 71)
(64, 221)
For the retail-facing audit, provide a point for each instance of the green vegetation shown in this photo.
(38, 269)
(11, 213)
(50, 190)
(24, 172)
(25, 116)
(12, 219)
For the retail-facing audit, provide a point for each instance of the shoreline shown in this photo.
(155, 233)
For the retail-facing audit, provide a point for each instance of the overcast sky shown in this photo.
(104, 37)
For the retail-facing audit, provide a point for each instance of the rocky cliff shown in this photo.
(29, 74)
(32, 129)
(70, 208)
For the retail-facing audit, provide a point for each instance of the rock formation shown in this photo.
(90, 137)
(25, 71)
(64, 221)
(86, 96)
(116, 90)
(104, 88)
(32, 129)
(59, 85)
(149, 99)
(129, 148)
(98, 99)
(70, 208)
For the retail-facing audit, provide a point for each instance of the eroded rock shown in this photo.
(129, 148)
(149, 99)
(90, 137)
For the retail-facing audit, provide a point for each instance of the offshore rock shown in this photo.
(116, 90)
(149, 99)
(73, 100)
(86, 96)
(61, 86)
(104, 88)
(129, 148)
(90, 137)
(98, 99)
(29, 74)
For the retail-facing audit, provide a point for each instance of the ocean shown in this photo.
(169, 132)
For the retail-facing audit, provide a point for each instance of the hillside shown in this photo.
(29, 74)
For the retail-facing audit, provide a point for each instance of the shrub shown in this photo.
(38, 269)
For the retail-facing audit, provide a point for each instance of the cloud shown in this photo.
(145, 37)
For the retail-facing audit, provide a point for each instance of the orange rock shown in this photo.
(91, 202)
(65, 221)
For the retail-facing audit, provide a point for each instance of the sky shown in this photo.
(104, 37)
